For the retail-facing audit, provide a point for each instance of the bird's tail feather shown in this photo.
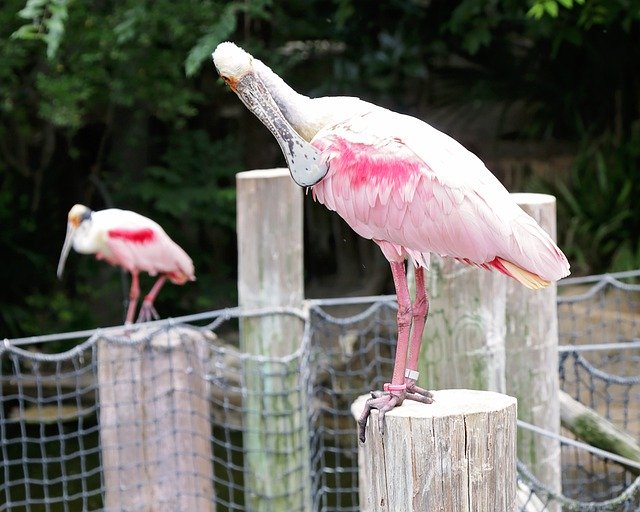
(528, 279)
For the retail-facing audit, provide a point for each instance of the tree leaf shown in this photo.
(207, 43)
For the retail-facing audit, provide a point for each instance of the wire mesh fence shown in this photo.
(215, 428)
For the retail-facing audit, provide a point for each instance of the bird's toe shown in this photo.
(147, 313)
(414, 390)
(418, 397)
(384, 402)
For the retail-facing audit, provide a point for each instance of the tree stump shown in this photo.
(458, 453)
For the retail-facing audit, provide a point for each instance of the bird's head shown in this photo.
(78, 216)
(232, 63)
(236, 67)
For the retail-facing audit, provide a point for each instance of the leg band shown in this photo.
(411, 374)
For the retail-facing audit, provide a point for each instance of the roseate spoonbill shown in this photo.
(133, 242)
(410, 188)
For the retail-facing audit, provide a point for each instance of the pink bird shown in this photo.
(133, 242)
(410, 188)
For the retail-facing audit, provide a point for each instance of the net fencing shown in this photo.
(88, 419)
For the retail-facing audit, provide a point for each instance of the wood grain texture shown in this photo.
(270, 273)
(463, 341)
(458, 453)
(532, 358)
(154, 422)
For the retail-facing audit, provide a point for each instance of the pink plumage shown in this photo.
(396, 194)
(132, 242)
(407, 186)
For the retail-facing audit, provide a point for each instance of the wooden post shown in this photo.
(458, 453)
(532, 358)
(270, 273)
(155, 432)
(463, 341)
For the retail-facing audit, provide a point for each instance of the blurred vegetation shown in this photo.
(116, 103)
(598, 205)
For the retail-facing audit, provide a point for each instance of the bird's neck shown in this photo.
(299, 110)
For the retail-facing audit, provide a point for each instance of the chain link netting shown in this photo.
(177, 403)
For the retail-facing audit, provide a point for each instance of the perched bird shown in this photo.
(410, 188)
(133, 242)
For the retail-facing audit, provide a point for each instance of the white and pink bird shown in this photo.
(398, 181)
(130, 241)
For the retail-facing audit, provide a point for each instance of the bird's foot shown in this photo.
(147, 313)
(416, 392)
(391, 397)
(384, 401)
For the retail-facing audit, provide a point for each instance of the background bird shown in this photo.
(407, 186)
(133, 242)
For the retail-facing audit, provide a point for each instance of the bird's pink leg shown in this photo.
(395, 392)
(147, 311)
(404, 322)
(134, 293)
(420, 313)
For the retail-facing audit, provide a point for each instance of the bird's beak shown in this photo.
(66, 247)
(304, 161)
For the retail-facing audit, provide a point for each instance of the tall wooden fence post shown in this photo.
(463, 341)
(458, 453)
(532, 358)
(155, 429)
(270, 273)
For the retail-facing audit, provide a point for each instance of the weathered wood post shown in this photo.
(532, 357)
(458, 453)
(155, 433)
(270, 273)
(463, 342)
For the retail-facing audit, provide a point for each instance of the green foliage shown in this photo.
(224, 26)
(47, 19)
(474, 22)
(62, 99)
(597, 209)
(112, 103)
(195, 180)
(539, 8)
(64, 114)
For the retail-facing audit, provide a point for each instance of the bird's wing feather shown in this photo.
(138, 243)
(396, 179)
(153, 253)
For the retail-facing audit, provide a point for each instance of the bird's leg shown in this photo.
(395, 392)
(134, 293)
(420, 313)
(147, 311)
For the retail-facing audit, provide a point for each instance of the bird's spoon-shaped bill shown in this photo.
(66, 247)
(304, 161)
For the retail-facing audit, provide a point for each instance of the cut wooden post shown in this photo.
(532, 358)
(458, 453)
(155, 432)
(270, 273)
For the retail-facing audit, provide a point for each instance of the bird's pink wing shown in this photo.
(149, 250)
(413, 189)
